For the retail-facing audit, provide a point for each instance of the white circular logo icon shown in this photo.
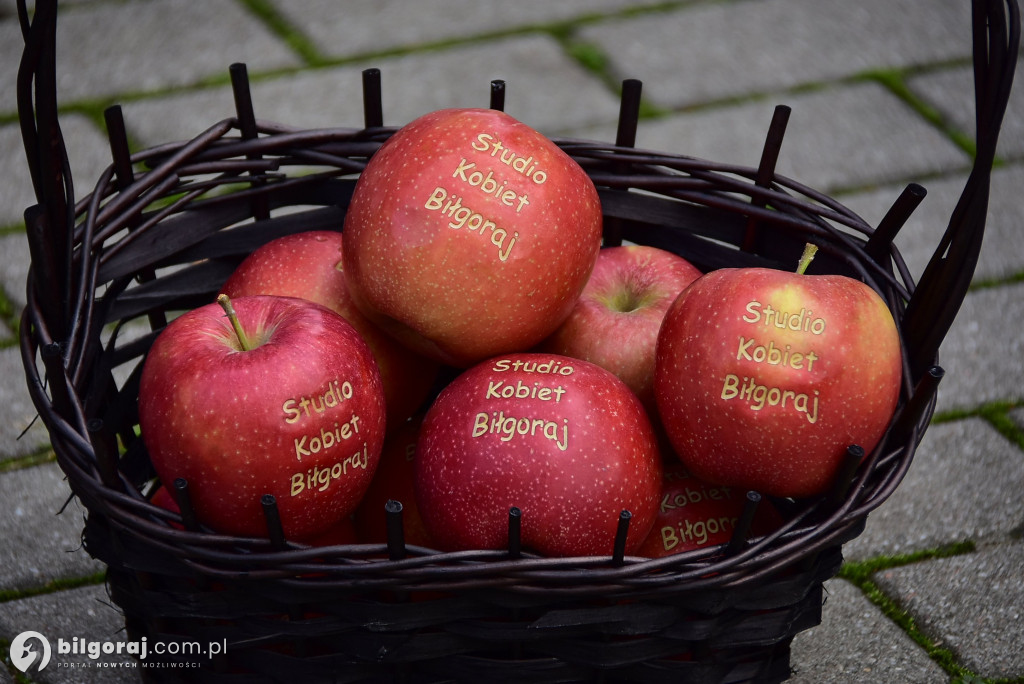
(25, 652)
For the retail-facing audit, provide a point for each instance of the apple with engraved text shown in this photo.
(693, 514)
(280, 396)
(469, 235)
(764, 377)
(564, 440)
(309, 265)
(616, 321)
(394, 480)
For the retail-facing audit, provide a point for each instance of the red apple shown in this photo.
(394, 480)
(562, 439)
(308, 265)
(470, 235)
(283, 399)
(694, 514)
(163, 498)
(616, 321)
(764, 377)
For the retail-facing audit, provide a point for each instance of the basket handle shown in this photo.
(944, 283)
(49, 223)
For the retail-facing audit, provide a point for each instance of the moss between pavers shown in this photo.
(60, 584)
(861, 575)
(44, 455)
(895, 80)
(996, 414)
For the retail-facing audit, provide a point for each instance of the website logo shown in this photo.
(28, 648)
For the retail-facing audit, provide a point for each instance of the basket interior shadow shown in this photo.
(164, 227)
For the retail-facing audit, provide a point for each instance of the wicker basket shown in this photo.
(164, 227)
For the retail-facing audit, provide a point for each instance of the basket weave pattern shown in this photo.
(163, 228)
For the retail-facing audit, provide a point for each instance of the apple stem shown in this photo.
(806, 258)
(243, 339)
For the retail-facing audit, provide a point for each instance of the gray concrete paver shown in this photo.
(963, 484)
(711, 51)
(970, 604)
(85, 614)
(110, 48)
(545, 89)
(816, 151)
(1002, 249)
(88, 154)
(849, 618)
(950, 91)
(982, 351)
(38, 544)
(20, 433)
(372, 26)
(14, 267)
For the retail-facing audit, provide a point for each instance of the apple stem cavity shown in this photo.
(806, 258)
(243, 340)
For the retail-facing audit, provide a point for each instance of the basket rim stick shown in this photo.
(167, 167)
(117, 135)
(246, 119)
(792, 221)
(766, 167)
(373, 104)
(497, 95)
(880, 242)
(625, 138)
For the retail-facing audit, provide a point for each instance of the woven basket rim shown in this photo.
(62, 320)
(681, 181)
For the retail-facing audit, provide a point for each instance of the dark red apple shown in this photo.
(616, 321)
(694, 514)
(470, 235)
(163, 498)
(309, 265)
(394, 480)
(283, 399)
(562, 439)
(765, 377)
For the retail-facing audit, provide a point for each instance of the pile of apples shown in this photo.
(467, 347)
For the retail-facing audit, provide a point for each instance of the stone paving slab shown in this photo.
(949, 92)
(85, 614)
(886, 653)
(545, 89)
(88, 154)
(970, 604)
(18, 410)
(1002, 249)
(109, 48)
(712, 51)
(373, 26)
(14, 267)
(40, 545)
(963, 484)
(983, 350)
(815, 151)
